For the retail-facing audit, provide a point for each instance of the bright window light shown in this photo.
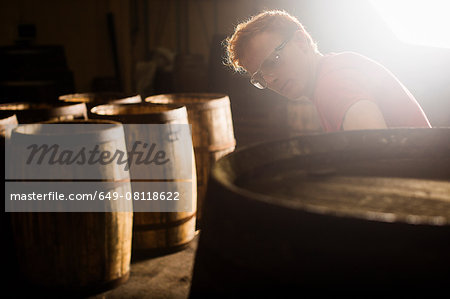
(422, 22)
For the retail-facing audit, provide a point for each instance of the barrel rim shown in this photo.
(114, 132)
(176, 112)
(8, 118)
(220, 173)
(52, 109)
(116, 97)
(211, 100)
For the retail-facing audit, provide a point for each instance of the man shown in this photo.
(349, 91)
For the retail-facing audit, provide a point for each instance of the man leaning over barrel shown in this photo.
(349, 91)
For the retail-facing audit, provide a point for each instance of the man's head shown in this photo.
(274, 48)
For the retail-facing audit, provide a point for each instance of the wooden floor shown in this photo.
(164, 276)
(167, 276)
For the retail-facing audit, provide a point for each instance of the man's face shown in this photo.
(292, 75)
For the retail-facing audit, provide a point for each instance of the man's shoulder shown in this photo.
(347, 60)
(352, 65)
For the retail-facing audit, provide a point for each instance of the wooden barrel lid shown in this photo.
(97, 98)
(140, 113)
(98, 130)
(29, 112)
(196, 101)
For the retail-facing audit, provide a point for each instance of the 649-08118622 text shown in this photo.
(140, 195)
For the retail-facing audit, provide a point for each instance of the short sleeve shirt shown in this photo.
(346, 78)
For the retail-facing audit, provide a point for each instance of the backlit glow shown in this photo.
(422, 22)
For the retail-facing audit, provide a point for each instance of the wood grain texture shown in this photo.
(76, 251)
(348, 212)
(155, 232)
(212, 132)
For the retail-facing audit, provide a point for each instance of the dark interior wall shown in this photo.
(191, 26)
(80, 26)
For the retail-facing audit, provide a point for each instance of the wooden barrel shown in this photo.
(155, 233)
(347, 211)
(8, 121)
(92, 99)
(267, 119)
(300, 117)
(212, 132)
(74, 252)
(29, 112)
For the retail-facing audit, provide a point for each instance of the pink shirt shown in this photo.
(346, 78)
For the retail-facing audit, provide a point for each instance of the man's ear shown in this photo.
(300, 40)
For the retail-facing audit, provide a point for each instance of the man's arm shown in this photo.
(363, 115)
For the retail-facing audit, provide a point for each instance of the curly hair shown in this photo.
(277, 21)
